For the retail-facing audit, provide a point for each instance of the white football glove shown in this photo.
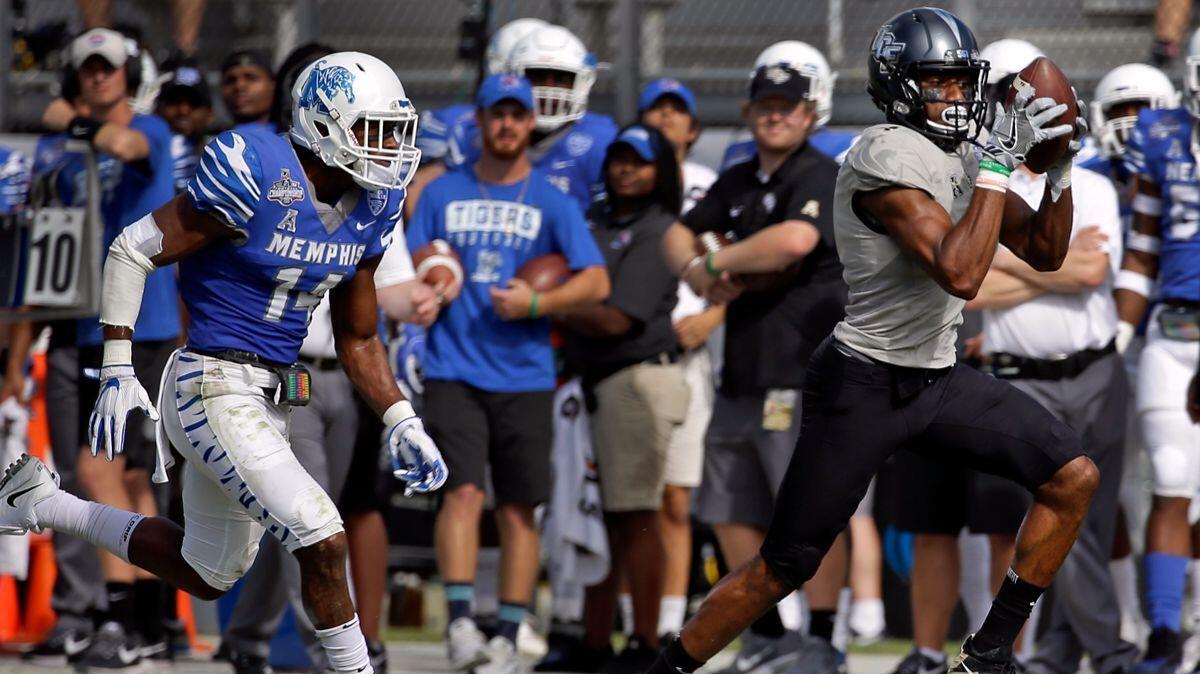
(415, 459)
(1058, 176)
(120, 394)
(1017, 130)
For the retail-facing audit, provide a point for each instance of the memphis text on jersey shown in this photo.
(315, 252)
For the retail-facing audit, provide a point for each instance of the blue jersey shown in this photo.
(184, 157)
(14, 180)
(495, 229)
(573, 157)
(256, 292)
(1160, 151)
(128, 191)
(433, 131)
(832, 144)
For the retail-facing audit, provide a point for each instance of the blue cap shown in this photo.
(502, 87)
(666, 86)
(638, 138)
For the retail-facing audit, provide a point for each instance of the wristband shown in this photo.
(989, 164)
(1134, 282)
(691, 263)
(1143, 243)
(83, 128)
(399, 411)
(710, 267)
(1147, 205)
(533, 306)
(117, 352)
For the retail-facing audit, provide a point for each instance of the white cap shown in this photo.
(99, 41)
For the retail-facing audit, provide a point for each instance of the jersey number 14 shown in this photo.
(285, 293)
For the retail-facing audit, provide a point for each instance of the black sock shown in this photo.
(822, 623)
(147, 605)
(1009, 612)
(509, 620)
(768, 625)
(674, 660)
(459, 597)
(120, 605)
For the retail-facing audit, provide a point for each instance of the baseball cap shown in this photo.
(780, 80)
(248, 57)
(103, 42)
(187, 82)
(666, 86)
(638, 138)
(502, 87)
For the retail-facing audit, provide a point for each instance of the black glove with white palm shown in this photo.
(1058, 176)
(120, 394)
(1016, 130)
(415, 458)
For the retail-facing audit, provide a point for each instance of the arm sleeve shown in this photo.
(642, 278)
(572, 237)
(227, 181)
(396, 266)
(1137, 159)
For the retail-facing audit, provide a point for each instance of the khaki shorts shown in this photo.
(637, 411)
(685, 453)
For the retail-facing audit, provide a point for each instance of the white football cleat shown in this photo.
(465, 645)
(26, 482)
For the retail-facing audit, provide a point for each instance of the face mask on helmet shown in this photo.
(385, 153)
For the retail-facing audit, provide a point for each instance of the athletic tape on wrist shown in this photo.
(399, 411)
(991, 179)
(1147, 205)
(117, 352)
(1134, 282)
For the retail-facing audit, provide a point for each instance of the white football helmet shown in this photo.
(336, 92)
(504, 39)
(1008, 57)
(1123, 84)
(555, 48)
(1191, 76)
(806, 60)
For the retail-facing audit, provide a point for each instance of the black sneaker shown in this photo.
(378, 652)
(996, 661)
(112, 648)
(62, 647)
(247, 663)
(634, 659)
(917, 662)
(1164, 652)
(578, 658)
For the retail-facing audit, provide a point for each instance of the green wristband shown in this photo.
(533, 306)
(709, 266)
(994, 166)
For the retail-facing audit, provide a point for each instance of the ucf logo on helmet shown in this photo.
(329, 81)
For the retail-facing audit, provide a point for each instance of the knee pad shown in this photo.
(314, 518)
(1174, 446)
(794, 563)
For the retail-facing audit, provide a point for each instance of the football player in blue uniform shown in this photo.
(266, 228)
(569, 142)
(810, 62)
(1160, 156)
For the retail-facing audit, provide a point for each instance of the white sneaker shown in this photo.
(530, 643)
(465, 645)
(26, 482)
(503, 658)
(866, 621)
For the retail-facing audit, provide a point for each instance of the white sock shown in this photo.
(346, 648)
(670, 614)
(933, 654)
(101, 525)
(625, 604)
(1124, 575)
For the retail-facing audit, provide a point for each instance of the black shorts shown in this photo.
(149, 361)
(938, 497)
(857, 414)
(510, 432)
(369, 478)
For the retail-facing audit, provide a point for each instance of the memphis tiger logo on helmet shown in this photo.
(330, 81)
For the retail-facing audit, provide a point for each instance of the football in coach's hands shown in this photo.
(1046, 80)
(770, 281)
(436, 263)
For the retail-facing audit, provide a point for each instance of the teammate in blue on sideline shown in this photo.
(266, 228)
(489, 369)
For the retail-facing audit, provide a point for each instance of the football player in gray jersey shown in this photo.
(920, 206)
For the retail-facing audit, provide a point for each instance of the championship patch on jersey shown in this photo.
(578, 144)
(376, 200)
(1164, 128)
(330, 81)
(285, 191)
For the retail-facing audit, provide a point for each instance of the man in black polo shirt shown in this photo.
(783, 282)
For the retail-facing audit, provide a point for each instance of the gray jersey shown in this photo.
(897, 312)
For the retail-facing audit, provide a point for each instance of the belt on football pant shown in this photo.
(1009, 366)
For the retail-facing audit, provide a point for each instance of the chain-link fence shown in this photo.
(710, 44)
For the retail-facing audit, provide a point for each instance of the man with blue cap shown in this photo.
(489, 368)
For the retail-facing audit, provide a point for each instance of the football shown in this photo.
(545, 272)
(436, 263)
(1047, 80)
(711, 242)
